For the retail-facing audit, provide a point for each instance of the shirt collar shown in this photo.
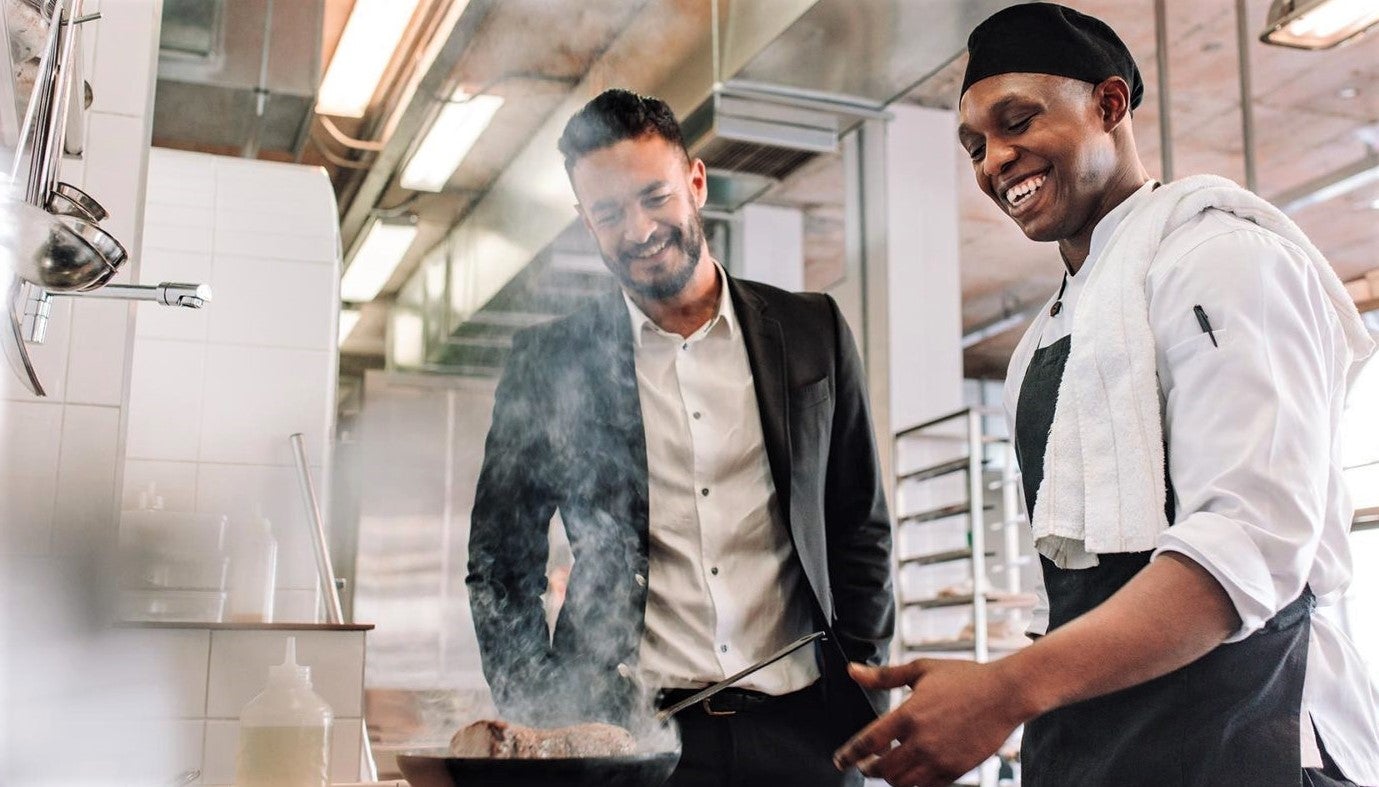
(724, 313)
(1102, 232)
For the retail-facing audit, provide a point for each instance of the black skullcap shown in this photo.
(1046, 38)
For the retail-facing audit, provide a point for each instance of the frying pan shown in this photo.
(435, 768)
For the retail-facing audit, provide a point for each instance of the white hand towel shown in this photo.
(1108, 400)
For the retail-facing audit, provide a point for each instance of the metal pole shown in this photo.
(324, 570)
(976, 498)
(1165, 104)
(1247, 107)
(261, 93)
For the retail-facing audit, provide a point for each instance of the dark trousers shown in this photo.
(760, 740)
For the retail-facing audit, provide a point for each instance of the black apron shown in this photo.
(1229, 718)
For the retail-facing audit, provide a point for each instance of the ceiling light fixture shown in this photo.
(371, 36)
(348, 319)
(1354, 176)
(1318, 24)
(456, 128)
(375, 259)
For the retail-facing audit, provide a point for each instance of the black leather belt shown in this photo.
(730, 702)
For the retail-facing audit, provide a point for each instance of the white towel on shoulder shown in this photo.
(1108, 401)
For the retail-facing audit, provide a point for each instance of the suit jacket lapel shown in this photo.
(765, 343)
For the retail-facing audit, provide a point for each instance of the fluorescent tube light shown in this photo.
(348, 319)
(1318, 24)
(375, 260)
(456, 129)
(371, 36)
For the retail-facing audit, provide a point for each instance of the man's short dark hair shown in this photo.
(613, 116)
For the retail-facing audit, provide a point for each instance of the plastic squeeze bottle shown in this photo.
(284, 732)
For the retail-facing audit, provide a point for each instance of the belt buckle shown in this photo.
(709, 711)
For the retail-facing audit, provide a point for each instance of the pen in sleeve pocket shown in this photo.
(1205, 323)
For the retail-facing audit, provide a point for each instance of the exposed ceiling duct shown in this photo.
(238, 76)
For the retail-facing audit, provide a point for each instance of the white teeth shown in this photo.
(653, 252)
(1022, 191)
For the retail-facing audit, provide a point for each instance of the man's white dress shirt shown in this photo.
(724, 588)
(1252, 427)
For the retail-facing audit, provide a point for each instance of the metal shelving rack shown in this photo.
(949, 446)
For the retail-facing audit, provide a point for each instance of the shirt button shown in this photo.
(625, 671)
(714, 571)
(685, 346)
(722, 648)
(639, 579)
(697, 416)
(704, 492)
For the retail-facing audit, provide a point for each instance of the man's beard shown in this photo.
(689, 240)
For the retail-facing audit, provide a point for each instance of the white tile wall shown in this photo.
(121, 83)
(171, 237)
(98, 356)
(175, 482)
(275, 245)
(275, 303)
(172, 661)
(86, 476)
(29, 458)
(111, 751)
(296, 603)
(165, 391)
(222, 389)
(118, 143)
(256, 397)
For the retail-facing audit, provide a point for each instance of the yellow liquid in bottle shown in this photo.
(283, 757)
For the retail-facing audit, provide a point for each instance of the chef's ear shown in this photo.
(1112, 98)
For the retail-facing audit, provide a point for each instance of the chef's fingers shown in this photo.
(907, 763)
(889, 677)
(875, 738)
(923, 775)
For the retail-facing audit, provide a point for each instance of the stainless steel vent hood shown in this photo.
(753, 136)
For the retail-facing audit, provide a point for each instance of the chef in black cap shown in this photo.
(1176, 409)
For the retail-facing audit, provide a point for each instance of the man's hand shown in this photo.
(959, 713)
(1172, 613)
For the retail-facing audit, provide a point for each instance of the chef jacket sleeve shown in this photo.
(1247, 419)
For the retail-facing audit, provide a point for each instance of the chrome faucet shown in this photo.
(168, 293)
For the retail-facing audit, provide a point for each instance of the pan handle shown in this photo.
(727, 682)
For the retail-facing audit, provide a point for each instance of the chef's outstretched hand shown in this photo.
(958, 714)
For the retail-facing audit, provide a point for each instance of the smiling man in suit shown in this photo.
(708, 445)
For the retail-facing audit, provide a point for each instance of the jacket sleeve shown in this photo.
(856, 519)
(509, 538)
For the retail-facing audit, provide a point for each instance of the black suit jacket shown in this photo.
(567, 435)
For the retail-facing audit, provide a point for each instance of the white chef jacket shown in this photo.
(1253, 436)
(724, 588)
